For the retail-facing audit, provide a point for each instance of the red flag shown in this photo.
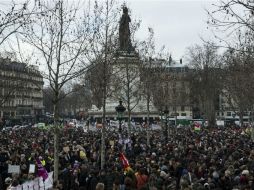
(125, 161)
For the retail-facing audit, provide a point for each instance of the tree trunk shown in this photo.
(103, 135)
(56, 137)
(210, 111)
(56, 151)
(129, 123)
(148, 122)
(251, 124)
(128, 100)
(168, 129)
(104, 91)
(241, 118)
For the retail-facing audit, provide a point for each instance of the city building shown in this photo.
(21, 90)
(229, 111)
(174, 92)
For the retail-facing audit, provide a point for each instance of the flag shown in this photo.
(124, 160)
(125, 163)
(197, 127)
(42, 172)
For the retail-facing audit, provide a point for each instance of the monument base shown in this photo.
(123, 53)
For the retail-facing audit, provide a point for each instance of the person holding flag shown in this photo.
(42, 172)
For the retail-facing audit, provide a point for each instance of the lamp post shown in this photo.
(166, 112)
(120, 110)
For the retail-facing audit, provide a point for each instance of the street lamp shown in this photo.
(120, 109)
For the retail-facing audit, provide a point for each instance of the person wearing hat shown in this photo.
(244, 177)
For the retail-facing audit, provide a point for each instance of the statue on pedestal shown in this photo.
(124, 32)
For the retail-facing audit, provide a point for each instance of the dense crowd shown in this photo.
(213, 158)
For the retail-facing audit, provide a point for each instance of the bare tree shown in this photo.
(79, 100)
(12, 17)
(103, 45)
(59, 36)
(206, 66)
(230, 18)
(148, 78)
(239, 74)
(128, 84)
(48, 97)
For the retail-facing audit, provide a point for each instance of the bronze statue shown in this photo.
(124, 31)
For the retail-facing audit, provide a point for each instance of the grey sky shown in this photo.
(177, 23)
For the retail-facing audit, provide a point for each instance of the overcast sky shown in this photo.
(177, 23)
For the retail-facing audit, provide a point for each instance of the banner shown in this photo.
(48, 183)
(36, 184)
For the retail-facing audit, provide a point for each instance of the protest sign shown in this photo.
(111, 143)
(31, 168)
(13, 169)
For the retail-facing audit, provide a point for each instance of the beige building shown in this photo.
(172, 90)
(21, 90)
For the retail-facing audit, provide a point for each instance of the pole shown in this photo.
(120, 126)
(168, 128)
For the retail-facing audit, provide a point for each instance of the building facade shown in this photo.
(174, 90)
(21, 94)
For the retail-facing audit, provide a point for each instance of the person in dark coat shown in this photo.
(83, 176)
(93, 180)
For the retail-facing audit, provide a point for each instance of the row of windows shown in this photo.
(16, 92)
(17, 102)
(20, 75)
(182, 114)
(231, 114)
(19, 84)
(179, 108)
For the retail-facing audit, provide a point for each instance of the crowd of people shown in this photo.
(212, 158)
